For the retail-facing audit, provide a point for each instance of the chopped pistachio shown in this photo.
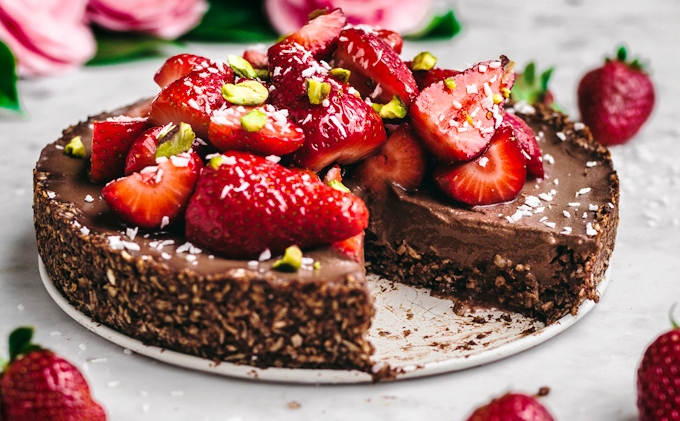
(469, 119)
(505, 92)
(497, 98)
(337, 185)
(254, 121)
(316, 265)
(215, 161)
(291, 260)
(262, 74)
(377, 107)
(340, 74)
(248, 92)
(180, 140)
(75, 147)
(393, 109)
(450, 83)
(317, 91)
(424, 61)
(241, 66)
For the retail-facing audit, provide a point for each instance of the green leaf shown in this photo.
(235, 21)
(441, 26)
(19, 339)
(118, 47)
(9, 96)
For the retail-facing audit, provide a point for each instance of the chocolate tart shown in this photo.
(540, 255)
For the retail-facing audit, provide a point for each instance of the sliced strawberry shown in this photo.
(401, 161)
(425, 78)
(245, 204)
(496, 176)
(156, 196)
(376, 69)
(191, 99)
(353, 247)
(527, 141)
(320, 35)
(392, 39)
(342, 128)
(142, 153)
(278, 136)
(111, 140)
(256, 58)
(334, 174)
(456, 118)
(182, 64)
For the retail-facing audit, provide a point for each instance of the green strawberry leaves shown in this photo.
(20, 342)
(9, 97)
(530, 88)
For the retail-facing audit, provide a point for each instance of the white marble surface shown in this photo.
(590, 368)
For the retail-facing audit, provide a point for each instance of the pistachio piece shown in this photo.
(393, 109)
(262, 74)
(248, 92)
(241, 66)
(337, 185)
(316, 265)
(291, 260)
(216, 161)
(317, 91)
(450, 83)
(75, 147)
(178, 141)
(340, 74)
(424, 61)
(254, 121)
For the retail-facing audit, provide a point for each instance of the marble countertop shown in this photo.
(590, 368)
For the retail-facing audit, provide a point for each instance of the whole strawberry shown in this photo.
(616, 99)
(658, 379)
(512, 407)
(38, 385)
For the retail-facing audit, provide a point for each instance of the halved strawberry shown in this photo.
(111, 140)
(496, 176)
(392, 39)
(256, 58)
(401, 161)
(191, 99)
(456, 118)
(142, 153)
(320, 35)
(156, 196)
(527, 141)
(376, 69)
(245, 204)
(353, 247)
(181, 65)
(276, 136)
(425, 78)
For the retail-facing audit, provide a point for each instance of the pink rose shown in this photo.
(166, 19)
(46, 36)
(402, 16)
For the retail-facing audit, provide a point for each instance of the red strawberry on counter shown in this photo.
(512, 407)
(245, 204)
(658, 379)
(156, 196)
(457, 117)
(496, 176)
(527, 141)
(401, 161)
(111, 141)
(38, 385)
(182, 64)
(376, 69)
(616, 99)
(191, 99)
(261, 130)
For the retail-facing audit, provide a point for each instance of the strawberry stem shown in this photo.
(670, 316)
(20, 342)
(621, 54)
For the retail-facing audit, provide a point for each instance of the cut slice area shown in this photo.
(111, 141)
(456, 117)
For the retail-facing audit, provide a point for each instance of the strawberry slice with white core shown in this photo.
(191, 99)
(320, 35)
(376, 69)
(156, 196)
(274, 135)
(401, 161)
(181, 65)
(456, 117)
(496, 176)
(527, 141)
(111, 141)
(245, 204)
